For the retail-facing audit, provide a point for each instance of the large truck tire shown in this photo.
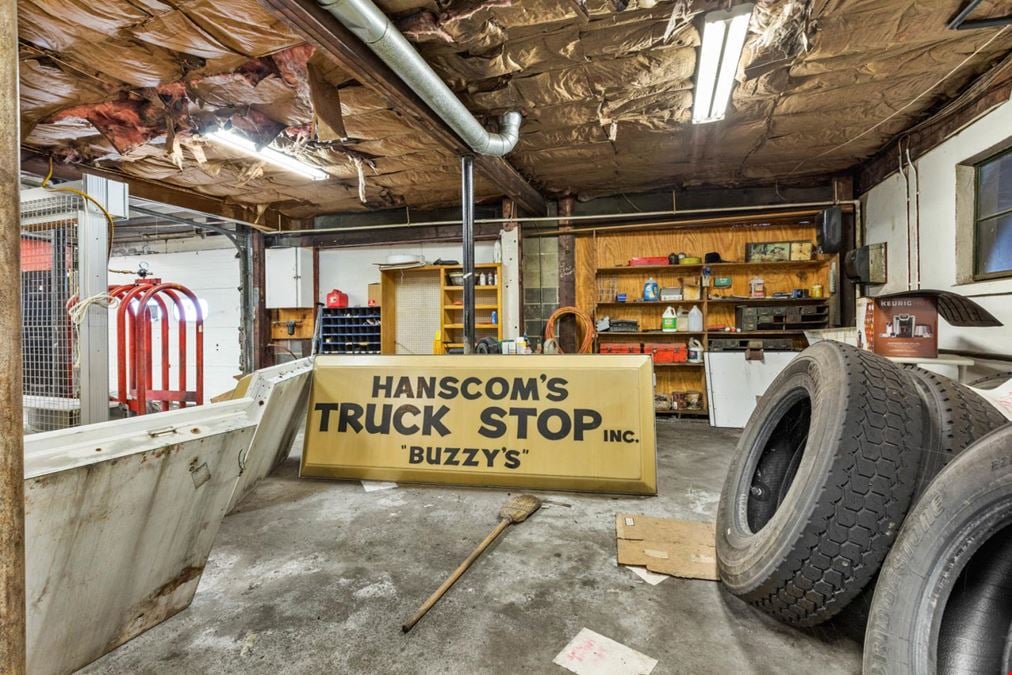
(943, 603)
(957, 417)
(823, 475)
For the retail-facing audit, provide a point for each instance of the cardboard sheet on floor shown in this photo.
(680, 548)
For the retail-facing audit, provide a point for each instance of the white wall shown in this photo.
(212, 275)
(934, 178)
(351, 270)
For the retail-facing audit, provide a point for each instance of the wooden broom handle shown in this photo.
(457, 573)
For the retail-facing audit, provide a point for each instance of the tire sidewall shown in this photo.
(748, 558)
(967, 503)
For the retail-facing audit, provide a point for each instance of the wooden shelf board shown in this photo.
(694, 413)
(651, 303)
(477, 288)
(477, 325)
(678, 365)
(766, 301)
(715, 267)
(476, 306)
(650, 333)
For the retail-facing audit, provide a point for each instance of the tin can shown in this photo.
(817, 291)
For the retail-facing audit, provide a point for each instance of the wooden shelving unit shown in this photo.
(435, 305)
(487, 299)
(599, 279)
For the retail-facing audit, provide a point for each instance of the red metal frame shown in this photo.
(135, 378)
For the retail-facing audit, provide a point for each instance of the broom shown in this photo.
(516, 510)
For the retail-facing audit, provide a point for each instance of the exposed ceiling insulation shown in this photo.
(606, 94)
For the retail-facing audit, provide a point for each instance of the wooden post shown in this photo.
(566, 330)
(261, 325)
(12, 472)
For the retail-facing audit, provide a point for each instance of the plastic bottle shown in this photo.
(650, 290)
(695, 320)
(695, 350)
(669, 320)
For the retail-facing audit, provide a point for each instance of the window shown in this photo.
(992, 228)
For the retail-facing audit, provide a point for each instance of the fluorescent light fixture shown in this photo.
(267, 154)
(723, 39)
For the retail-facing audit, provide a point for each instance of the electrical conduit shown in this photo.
(372, 26)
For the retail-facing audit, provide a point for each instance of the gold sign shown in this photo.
(566, 422)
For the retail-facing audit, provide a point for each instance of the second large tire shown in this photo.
(944, 598)
(957, 417)
(824, 473)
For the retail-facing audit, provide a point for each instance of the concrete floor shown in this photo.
(317, 576)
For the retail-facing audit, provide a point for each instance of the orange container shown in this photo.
(668, 353)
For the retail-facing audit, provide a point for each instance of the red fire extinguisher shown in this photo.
(337, 299)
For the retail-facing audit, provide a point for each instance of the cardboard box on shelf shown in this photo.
(374, 295)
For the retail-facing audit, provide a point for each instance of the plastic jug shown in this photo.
(683, 319)
(650, 290)
(669, 320)
(695, 320)
(695, 351)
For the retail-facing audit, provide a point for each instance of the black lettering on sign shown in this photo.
(522, 414)
(492, 424)
(435, 455)
(349, 417)
(585, 420)
(325, 410)
(557, 389)
(448, 387)
(564, 424)
(403, 388)
(426, 387)
(382, 386)
(433, 420)
(398, 419)
(525, 389)
(373, 426)
(468, 388)
(497, 388)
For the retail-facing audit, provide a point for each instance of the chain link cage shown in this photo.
(49, 283)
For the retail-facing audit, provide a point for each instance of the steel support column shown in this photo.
(467, 220)
(12, 473)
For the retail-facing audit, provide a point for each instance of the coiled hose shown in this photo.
(586, 327)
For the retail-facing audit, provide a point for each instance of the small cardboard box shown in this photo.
(374, 295)
(906, 327)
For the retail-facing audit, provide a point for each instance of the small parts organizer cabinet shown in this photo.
(348, 330)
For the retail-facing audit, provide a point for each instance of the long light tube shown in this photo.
(236, 142)
(723, 41)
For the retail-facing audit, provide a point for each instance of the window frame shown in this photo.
(977, 219)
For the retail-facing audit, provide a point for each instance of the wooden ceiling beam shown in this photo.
(270, 221)
(318, 27)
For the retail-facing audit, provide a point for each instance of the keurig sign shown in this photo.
(550, 422)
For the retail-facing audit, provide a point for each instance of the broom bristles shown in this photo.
(519, 507)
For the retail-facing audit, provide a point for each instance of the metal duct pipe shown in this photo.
(372, 26)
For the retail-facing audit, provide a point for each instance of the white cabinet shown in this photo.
(734, 384)
(289, 277)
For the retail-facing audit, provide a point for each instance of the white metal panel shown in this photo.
(289, 277)
(734, 384)
(120, 516)
(284, 392)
